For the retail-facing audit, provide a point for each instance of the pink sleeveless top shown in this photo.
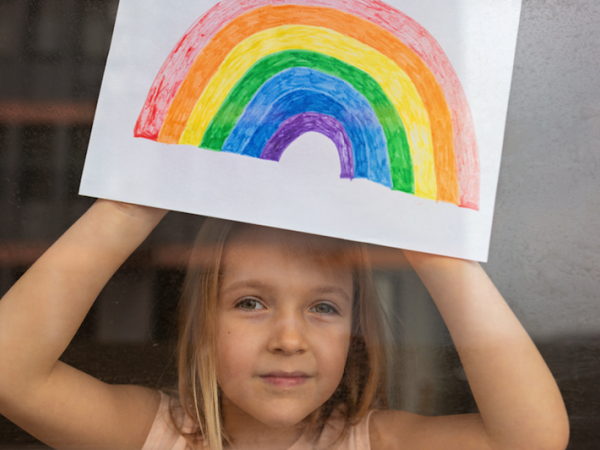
(164, 436)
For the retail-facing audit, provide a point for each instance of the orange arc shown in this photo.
(255, 21)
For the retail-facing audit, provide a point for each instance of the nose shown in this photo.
(288, 335)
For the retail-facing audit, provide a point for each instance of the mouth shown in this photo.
(286, 379)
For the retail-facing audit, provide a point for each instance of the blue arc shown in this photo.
(299, 90)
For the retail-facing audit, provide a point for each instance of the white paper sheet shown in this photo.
(303, 191)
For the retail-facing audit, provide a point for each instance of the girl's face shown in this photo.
(284, 324)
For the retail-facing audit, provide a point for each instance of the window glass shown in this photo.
(545, 249)
(9, 28)
(37, 159)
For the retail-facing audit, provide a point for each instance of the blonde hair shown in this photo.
(363, 385)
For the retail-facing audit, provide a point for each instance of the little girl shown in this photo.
(280, 347)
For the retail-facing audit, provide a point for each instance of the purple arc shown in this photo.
(295, 126)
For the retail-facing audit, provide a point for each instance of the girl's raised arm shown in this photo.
(40, 315)
(519, 402)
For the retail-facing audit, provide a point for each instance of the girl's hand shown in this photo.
(419, 259)
(144, 213)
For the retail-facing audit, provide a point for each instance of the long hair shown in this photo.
(363, 384)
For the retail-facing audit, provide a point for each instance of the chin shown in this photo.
(282, 417)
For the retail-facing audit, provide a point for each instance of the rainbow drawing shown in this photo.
(251, 76)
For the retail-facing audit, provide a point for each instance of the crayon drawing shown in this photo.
(369, 120)
(250, 77)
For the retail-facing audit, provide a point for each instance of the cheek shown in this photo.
(332, 358)
(236, 354)
(230, 349)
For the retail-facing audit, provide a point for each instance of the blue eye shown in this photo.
(324, 308)
(250, 304)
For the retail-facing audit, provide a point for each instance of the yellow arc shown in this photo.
(394, 81)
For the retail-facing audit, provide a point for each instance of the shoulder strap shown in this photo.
(361, 434)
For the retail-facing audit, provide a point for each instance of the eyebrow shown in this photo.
(247, 284)
(265, 286)
(334, 290)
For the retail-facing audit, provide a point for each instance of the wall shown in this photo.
(545, 254)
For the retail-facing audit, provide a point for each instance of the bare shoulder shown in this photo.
(408, 431)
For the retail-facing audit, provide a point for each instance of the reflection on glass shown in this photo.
(96, 30)
(37, 163)
(9, 28)
(54, 54)
(48, 33)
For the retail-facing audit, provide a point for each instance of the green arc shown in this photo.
(234, 105)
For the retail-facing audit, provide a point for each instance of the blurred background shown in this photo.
(545, 253)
